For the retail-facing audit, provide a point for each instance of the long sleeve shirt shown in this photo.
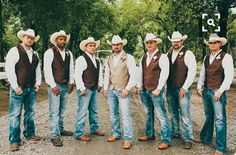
(48, 59)
(80, 66)
(12, 58)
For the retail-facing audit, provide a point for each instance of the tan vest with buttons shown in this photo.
(119, 75)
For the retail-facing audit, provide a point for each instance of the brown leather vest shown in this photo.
(60, 68)
(151, 73)
(214, 72)
(91, 73)
(178, 70)
(26, 71)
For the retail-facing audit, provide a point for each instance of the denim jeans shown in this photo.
(87, 103)
(57, 107)
(151, 103)
(28, 99)
(180, 112)
(116, 103)
(215, 113)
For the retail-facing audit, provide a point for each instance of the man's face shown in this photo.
(90, 48)
(177, 44)
(151, 45)
(116, 48)
(214, 46)
(61, 41)
(28, 40)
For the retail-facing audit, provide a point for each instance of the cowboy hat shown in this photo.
(55, 35)
(152, 37)
(28, 32)
(116, 39)
(176, 36)
(89, 40)
(214, 37)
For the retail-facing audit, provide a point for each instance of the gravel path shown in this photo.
(98, 145)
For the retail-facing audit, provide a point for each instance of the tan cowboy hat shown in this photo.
(89, 40)
(61, 33)
(28, 32)
(116, 39)
(214, 37)
(176, 36)
(152, 37)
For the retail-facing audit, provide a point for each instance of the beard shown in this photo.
(61, 45)
(176, 47)
(116, 50)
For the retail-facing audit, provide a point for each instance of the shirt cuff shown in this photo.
(52, 85)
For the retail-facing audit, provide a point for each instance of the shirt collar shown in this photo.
(29, 50)
(118, 55)
(216, 53)
(152, 54)
(90, 55)
(60, 49)
(177, 51)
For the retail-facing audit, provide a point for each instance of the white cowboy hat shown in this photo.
(152, 37)
(116, 39)
(28, 32)
(176, 36)
(89, 40)
(61, 33)
(214, 37)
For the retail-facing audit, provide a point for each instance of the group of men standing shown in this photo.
(158, 73)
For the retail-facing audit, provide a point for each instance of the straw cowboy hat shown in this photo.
(116, 39)
(61, 33)
(214, 37)
(152, 37)
(89, 40)
(28, 32)
(176, 36)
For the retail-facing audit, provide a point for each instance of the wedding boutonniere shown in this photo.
(154, 58)
(218, 58)
(123, 59)
(180, 54)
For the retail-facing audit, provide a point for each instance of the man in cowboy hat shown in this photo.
(154, 69)
(24, 75)
(59, 75)
(216, 76)
(118, 81)
(89, 81)
(182, 73)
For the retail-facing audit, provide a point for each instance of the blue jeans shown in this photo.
(180, 112)
(116, 103)
(215, 113)
(87, 103)
(151, 103)
(28, 99)
(57, 107)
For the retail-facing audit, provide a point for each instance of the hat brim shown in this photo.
(83, 44)
(178, 39)
(221, 39)
(157, 40)
(124, 42)
(22, 33)
(55, 35)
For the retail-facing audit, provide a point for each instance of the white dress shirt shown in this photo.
(164, 66)
(80, 66)
(11, 60)
(131, 65)
(190, 62)
(48, 59)
(227, 64)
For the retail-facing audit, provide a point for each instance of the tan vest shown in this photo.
(119, 75)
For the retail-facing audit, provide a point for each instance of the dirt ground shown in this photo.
(98, 145)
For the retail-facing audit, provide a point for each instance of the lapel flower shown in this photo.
(123, 58)
(180, 54)
(218, 57)
(154, 58)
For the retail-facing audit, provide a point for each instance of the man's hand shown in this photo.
(199, 92)
(156, 92)
(18, 91)
(217, 96)
(70, 88)
(137, 90)
(105, 93)
(99, 88)
(55, 91)
(182, 92)
(36, 88)
(124, 93)
(83, 92)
